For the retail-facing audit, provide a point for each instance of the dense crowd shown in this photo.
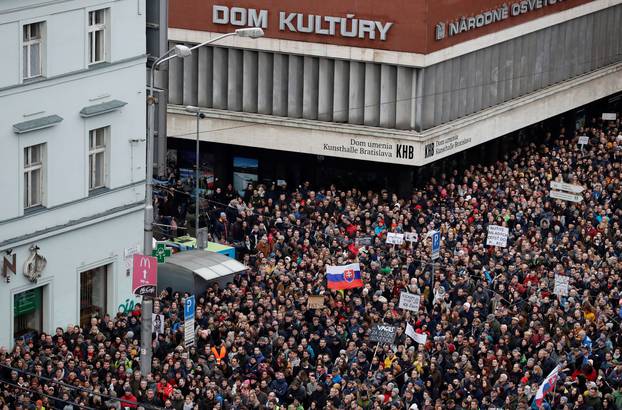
(495, 328)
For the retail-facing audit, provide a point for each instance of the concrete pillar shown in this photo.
(295, 86)
(356, 92)
(310, 88)
(234, 88)
(388, 95)
(326, 89)
(372, 94)
(220, 75)
(249, 90)
(175, 82)
(419, 76)
(206, 76)
(280, 77)
(341, 96)
(265, 73)
(190, 79)
(404, 96)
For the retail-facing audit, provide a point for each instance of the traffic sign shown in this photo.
(562, 186)
(566, 196)
(436, 245)
(189, 308)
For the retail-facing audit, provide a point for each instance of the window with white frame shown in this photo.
(33, 175)
(97, 158)
(97, 36)
(32, 45)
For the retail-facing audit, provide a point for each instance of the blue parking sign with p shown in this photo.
(189, 307)
(436, 245)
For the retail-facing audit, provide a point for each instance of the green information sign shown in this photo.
(27, 302)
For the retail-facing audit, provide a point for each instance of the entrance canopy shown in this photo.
(195, 270)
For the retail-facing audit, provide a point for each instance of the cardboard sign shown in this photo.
(409, 301)
(157, 322)
(145, 275)
(411, 236)
(583, 140)
(395, 238)
(497, 236)
(561, 285)
(315, 302)
(383, 334)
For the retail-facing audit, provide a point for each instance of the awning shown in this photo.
(102, 108)
(36, 124)
(180, 270)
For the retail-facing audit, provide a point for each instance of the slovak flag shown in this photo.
(344, 277)
(548, 384)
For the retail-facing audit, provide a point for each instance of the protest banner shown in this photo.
(383, 334)
(420, 338)
(411, 236)
(497, 236)
(409, 301)
(561, 285)
(395, 238)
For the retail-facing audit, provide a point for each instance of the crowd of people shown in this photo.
(495, 325)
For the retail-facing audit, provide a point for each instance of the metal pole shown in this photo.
(147, 304)
(196, 223)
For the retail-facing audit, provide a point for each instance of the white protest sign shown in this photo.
(420, 338)
(565, 196)
(609, 116)
(497, 236)
(395, 238)
(411, 236)
(561, 285)
(409, 301)
(157, 323)
(584, 140)
(562, 186)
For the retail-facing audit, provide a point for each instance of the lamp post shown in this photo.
(200, 116)
(180, 51)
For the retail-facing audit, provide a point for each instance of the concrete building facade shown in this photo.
(72, 160)
(408, 83)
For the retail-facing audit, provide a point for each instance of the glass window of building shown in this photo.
(93, 294)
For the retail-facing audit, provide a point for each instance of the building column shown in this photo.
(249, 92)
(310, 88)
(388, 95)
(265, 69)
(326, 89)
(341, 91)
(371, 114)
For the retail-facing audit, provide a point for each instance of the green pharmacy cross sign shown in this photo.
(161, 252)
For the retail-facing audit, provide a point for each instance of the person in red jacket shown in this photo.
(129, 400)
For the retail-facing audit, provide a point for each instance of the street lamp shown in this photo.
(180, 51)
(199, 115)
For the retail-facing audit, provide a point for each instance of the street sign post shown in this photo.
(189, 309)
(436, 245)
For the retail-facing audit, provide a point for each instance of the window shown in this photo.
(93, 286)
(97, 36)
(32, 44)
(97, 158)
(33, 175)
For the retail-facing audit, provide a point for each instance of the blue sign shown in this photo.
(436, 245)
(189, 307)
